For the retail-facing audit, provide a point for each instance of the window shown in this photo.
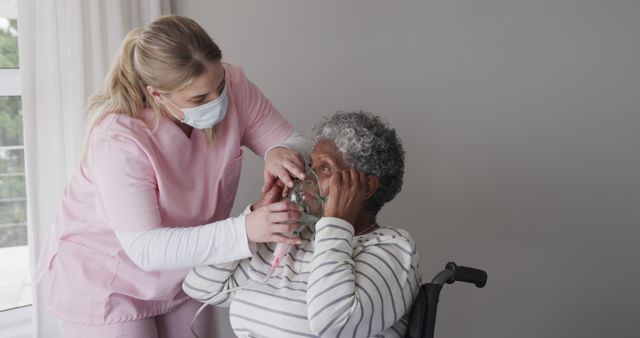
(15, 284)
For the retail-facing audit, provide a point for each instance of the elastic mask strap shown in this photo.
(180, 109)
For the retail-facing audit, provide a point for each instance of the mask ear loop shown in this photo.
(176, 106)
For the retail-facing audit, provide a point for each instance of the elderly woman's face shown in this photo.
(325, 160)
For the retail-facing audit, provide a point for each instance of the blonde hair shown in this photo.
(169, 55)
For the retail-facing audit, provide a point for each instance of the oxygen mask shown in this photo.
(306, 194)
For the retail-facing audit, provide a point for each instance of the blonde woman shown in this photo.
(153, 195)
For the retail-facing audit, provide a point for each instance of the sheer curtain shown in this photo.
(66, 48)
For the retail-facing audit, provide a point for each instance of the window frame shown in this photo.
(17, 322)
(10, 82)
(14, 322)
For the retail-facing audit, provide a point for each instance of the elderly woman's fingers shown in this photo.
(354, 176)
(359, 180)
(346, 177)
(336, 183)
(364, 180)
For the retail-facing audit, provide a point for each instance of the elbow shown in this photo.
(136, 246)
(199, 289)
(143, 263)
(329, 322)
(146, 266)
(323, 328)
(190, 290)
(317, 326)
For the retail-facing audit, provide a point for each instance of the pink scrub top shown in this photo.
(140, 179)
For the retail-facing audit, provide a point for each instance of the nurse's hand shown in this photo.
(270, 222)
(282, 164)
(275, 194)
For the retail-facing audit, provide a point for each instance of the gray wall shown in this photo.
(520, 121)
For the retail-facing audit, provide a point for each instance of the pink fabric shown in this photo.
(174, 324)
(138, 179)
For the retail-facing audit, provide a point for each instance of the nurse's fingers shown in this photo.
(284, 217)
(266, 186)
(283, 206)
(285, 191)
(284, 176)
(284, 228)
(271, 196)
(284, 239)
(260, 228)
(280, 176)
(295, 166)
(269, 181)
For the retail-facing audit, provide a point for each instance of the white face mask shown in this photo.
(207, 115)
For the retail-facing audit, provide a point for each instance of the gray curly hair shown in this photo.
(368, 144)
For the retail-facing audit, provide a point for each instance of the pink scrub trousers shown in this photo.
(174, 324)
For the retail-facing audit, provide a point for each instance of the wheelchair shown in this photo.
(422, 318)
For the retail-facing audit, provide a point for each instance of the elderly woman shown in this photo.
(350, 276)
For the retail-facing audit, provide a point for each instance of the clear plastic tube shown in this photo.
(279, 252)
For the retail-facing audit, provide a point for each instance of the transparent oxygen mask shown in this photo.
(306, 194)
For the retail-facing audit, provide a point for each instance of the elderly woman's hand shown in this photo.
(347, 195)
(282, 164)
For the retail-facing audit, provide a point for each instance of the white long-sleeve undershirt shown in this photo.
(185, 247)
(297, 142)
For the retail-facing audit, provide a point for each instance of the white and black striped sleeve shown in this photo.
(359, 292)
(208, 284)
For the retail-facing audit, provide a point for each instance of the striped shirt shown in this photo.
(333, 284)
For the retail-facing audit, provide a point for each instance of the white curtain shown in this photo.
(66, 48)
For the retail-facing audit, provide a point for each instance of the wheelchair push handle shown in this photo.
(466, 274)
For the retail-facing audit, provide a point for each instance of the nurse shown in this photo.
(153, 195)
